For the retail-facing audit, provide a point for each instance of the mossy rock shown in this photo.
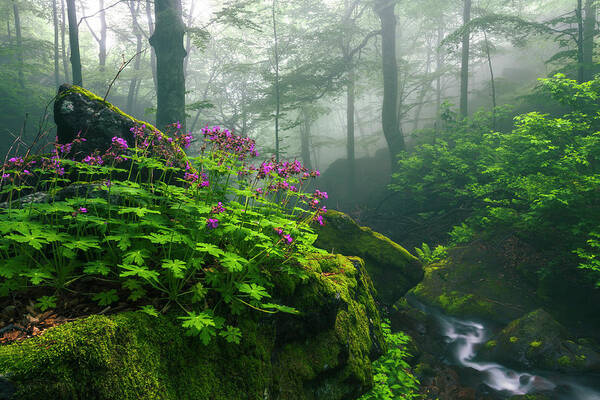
(472, 284)
(393, 269)
(538, 341)
(135, 356)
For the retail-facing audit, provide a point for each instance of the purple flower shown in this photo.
(212, 223)
(279, 231)
(288, 239)
(120, 142)
(319, 219)
(83, 210)
(205, 184)
(4, 176)
(218, 209)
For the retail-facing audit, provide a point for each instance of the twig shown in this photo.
(121, 68)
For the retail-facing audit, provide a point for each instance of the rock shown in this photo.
(7, 389)
(77, 110)
(324, 353)
(474, 283)
(538, 341)
(393, 269)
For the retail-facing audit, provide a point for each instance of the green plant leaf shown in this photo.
(177, 267)
(140, 271)
(253, 290)
(106, 298)
(46, 302)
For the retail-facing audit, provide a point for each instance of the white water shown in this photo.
(465, 336)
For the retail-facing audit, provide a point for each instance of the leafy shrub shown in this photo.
(145, 223)
(427, 256)
(393, 378)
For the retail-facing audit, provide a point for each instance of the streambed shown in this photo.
(464, 338)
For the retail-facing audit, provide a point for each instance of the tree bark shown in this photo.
(424, 90)
(464, 67)
(56, 39)
(63, 45)
(489, 59)
(167, 41)
(350, 124)
(102, 42)
(589, 32)
(438, 81)
(305, 139)
(74, 41)
(188, 38)
(134, 83)
(580, 46)
(19, 37)
(152, 52)
(277, 89)
(389, 114)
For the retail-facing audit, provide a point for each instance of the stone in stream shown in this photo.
(538, 341)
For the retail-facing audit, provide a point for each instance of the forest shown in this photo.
(300, 199)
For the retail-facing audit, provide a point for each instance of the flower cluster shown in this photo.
(224, 141)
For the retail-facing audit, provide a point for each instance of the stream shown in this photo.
(464, 338)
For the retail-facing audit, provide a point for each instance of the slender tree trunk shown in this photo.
(188, 38)
(102, 42)
(8, 32)
(152, 52)
(389, 114)
(580, 45)
(438, 81)
(489, 59)
(350, 124)
(167, 40)
(277, 89)
(589, 32)
(63, 45)
(74, 40)
(134, 83)
(305, 139)
(56, 54)
(464, 67)
(424, 90)
(19, 37)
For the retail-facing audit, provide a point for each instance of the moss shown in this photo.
(393, 269)
(535, 344)
(513, 339)
(490, 344)
(325, 353)
(565, 361)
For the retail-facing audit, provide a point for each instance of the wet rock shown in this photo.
(393, 269)
(538, 341)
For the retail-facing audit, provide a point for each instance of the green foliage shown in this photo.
(149, 227)
(427, 256)
(393, 378)
(539, 180)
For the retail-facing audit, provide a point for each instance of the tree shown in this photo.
(74, 41)
(19, 37)
(276, 83)
(385, 9)
(589, 32)
(464, 67)
(56, 53)
(167, 41)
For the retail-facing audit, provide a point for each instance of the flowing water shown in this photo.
(465, 337)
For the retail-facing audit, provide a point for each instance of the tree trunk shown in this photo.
(188, 38)
(102, 42)
(134, 83)
(150, 33)
(74, 41)
(424, 90)
(56, 54)
(277, 89)
(63, 45)
(305, 139)
(489, 59)
(350, 145)
(580, 46)
(464, 67)
(167, 41)
(389, 116)
(8, 32)
(438, 81)
(19, 37)
(589, 32)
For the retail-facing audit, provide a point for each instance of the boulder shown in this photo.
(473, 283)
(323, 353)
(538, 341)
(393, 269)
(79, 111)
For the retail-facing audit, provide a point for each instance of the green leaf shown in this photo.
(83, 244)
(279, 307)
(96, 267)
(253, 290)
(177, 267)
(231, 334)
(136, 257)
(150, 310)
(142, 272)
(139, 211)
(233, 262)
(210, 249)
(106, 298)
(37, 276)
(46, 302)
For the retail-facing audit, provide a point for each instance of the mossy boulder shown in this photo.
(324, 353)
(538, 341)
(393, 269)
(472, 283)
